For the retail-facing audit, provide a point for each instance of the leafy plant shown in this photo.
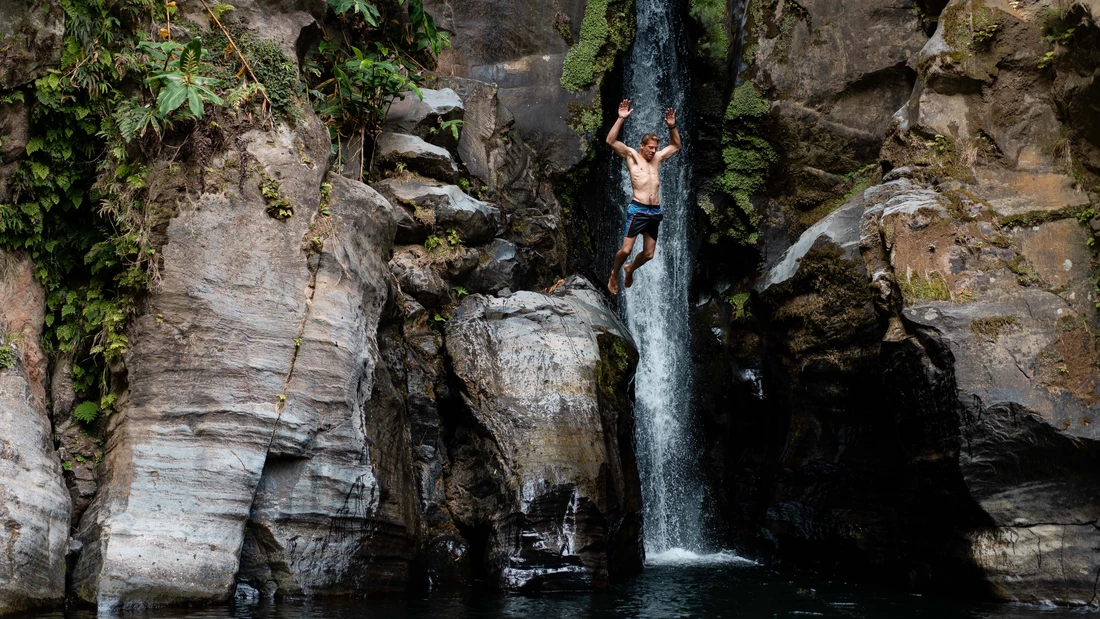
(453, 240)
(86, 411)
(451, 125)
(433, 242)
(181, 81)
(460, 292)
(7, 357)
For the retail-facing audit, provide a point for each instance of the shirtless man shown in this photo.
(643, 216)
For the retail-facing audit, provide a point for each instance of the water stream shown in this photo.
(656, 307)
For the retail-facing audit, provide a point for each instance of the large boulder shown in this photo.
(542, 464)
(34, 503)
(401, 151)
(425, 116)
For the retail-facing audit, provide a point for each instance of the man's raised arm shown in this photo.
(673, 136)
(613, 136)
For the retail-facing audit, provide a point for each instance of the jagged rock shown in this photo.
(542, 463)
(513, 174)
(441, 208)
(34, 504)
(496, 268)
(424, 118)
(416, 155)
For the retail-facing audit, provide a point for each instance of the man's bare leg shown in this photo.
(649, 245)
(620, 258)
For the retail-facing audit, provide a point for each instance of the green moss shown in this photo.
(273, 68)
(614, 370)
(992, 326)
(932, 287)
(1026, 275)
(713, 44)
(1036, 218)
(278, 206)
(738, 303)
(606, 30)
(585, 119)
(747, 158)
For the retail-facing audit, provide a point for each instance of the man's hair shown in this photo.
(649, 136)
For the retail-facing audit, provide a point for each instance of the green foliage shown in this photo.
(433, 242)
(606, 30)
(453, 240)
(181, 81)
(7, 357)
(747, 158)
(1045, 60)
(738, 303)
(86, 411)
(454, 126)
(351, 86)
(278, 206)
(364, 9)
(933, 287)
(460, 292)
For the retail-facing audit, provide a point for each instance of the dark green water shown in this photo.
(663, 591)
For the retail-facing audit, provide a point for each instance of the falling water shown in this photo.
(656, 307)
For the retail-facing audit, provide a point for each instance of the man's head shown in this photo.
(649, 146)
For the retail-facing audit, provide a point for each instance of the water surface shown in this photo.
(675, 584)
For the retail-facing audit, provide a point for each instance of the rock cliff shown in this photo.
(922, 326)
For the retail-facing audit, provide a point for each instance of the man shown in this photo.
(643, 216)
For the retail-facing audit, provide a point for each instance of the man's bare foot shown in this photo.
(629, 281)
(613, 284)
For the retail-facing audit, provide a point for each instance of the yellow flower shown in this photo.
(164, 33)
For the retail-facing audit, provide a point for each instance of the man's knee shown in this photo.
(648, 253)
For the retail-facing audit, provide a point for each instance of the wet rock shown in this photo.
(543, 475)
(441, 208)
(394, 149)
(34, 504)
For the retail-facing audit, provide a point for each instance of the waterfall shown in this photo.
(656, 307)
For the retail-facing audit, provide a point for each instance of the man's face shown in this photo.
(649, 149)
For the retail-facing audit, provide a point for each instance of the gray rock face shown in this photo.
(441, 208)
(280, 444)
(542, 458)
(34, 503)
(526, 64)
(416, 154)
(338, 468)
(32, 33)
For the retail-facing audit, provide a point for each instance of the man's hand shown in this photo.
(625, 109)
(670, 117)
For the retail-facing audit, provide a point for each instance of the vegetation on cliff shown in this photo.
(138, 84)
